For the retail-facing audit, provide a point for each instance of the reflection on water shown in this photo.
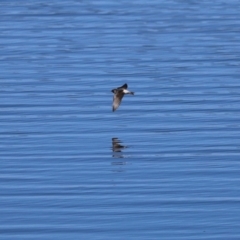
(117, 148)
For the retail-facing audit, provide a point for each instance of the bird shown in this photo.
(118, 95)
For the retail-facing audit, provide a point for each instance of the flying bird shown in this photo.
(118, 95)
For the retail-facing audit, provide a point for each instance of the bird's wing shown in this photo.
(117, 98)
(125, 86)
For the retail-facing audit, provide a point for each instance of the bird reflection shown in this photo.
(117, 148)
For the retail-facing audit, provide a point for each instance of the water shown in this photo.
(165, 165)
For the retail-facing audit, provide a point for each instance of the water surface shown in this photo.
(165, 165)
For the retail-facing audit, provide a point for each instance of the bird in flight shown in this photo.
(118, 95)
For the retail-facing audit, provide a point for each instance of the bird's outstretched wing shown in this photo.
(117, 98)
(125, 86)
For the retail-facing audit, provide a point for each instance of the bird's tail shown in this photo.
(125, 91)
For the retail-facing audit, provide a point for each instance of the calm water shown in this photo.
(165, 165)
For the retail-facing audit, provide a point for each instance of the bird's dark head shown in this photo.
(114, 91)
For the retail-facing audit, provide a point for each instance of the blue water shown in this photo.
(165, 165)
